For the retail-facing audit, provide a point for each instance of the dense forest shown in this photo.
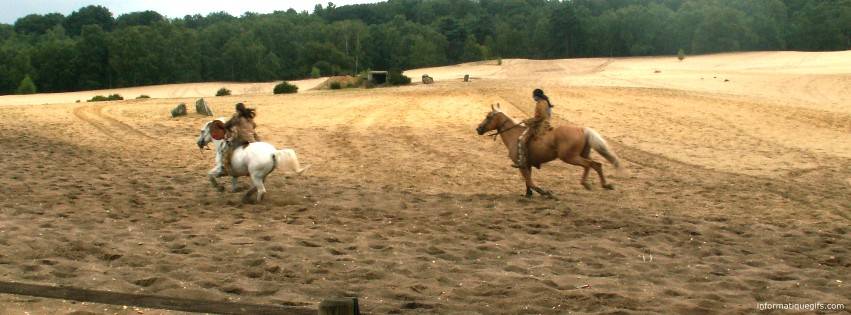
(91, 49)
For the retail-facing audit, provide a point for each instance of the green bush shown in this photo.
(336, 86)
(681, 54)
(143, 96)
(395, 77)
(315, 73)
(223, 92)
(101, 98)
(285, 88)
(27, 86)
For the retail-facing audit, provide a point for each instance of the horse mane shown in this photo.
(511, 119)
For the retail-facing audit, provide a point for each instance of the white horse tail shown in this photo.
(289, 160)
(596, 141)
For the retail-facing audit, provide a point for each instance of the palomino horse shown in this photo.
(571, 144)
(256, 160)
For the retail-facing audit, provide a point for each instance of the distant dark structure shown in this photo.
(377, 77)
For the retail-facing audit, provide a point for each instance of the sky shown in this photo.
(14, 9)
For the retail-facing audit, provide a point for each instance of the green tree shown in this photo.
(27, 86)
(722, 29)
(565, 31)
(92, 60)
(143, 18)
(90, 15)
(242, 55)
(472, 50)
(56, 70)
(821, 25)
(269, 67)
(425, 53)
(15, 63)
(455, 37)
(38, 24)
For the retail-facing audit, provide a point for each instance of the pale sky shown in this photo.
(12, 10)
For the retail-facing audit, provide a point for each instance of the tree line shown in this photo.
(92, 49)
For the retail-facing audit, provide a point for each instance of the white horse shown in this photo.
(256, 160)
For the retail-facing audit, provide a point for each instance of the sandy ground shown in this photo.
(737, 193)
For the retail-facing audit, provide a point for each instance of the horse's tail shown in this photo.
(596, 141)
(289, 157)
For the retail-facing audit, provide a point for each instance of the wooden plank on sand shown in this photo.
(147, 301)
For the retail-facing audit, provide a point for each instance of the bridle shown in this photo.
(499, 129)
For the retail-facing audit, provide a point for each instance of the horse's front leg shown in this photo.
(527, 177)
(212, 175)
(530, 185)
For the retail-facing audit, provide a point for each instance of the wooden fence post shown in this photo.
(342, 306)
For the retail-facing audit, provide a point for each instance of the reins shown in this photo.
(500, 131)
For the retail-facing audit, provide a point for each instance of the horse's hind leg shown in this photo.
(234, 181)
(599, 168)
(584, 181)
(588, 164)
(259, 185)
(247, 197)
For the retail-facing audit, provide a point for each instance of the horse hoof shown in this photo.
(587, 186)
(609, 186)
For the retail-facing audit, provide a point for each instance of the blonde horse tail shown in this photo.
(289, 157)
(596, 141)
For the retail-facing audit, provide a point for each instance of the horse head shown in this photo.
(212, 130)
(492, 121)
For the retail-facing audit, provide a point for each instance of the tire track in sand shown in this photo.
(111, 127)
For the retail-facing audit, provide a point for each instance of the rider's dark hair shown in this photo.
(538, 93)
(244, 111)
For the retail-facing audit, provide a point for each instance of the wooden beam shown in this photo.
(148, 301)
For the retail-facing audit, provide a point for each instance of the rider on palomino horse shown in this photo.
(241, 132)
(537, 126)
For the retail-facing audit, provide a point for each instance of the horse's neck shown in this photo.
(512, 133)
(221, 145)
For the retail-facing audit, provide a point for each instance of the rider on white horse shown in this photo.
(255, 159)
(240, 129)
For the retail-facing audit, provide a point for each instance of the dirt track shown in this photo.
(737, 193)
